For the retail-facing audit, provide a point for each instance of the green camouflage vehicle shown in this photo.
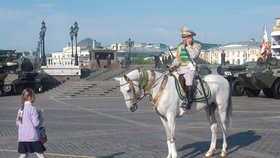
(229, 72)
(265, 77)
(16, 72)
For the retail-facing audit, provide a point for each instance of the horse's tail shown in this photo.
(229, 111)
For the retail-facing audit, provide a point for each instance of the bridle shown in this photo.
(146, 85)
(135, 97)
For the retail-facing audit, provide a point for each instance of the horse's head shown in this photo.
(130, 91)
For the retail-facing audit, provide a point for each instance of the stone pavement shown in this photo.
(101, 127)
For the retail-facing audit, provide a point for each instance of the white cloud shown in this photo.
(13, 14)
(268, 10)
(44, 5)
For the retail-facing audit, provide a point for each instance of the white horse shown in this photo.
(166, 102)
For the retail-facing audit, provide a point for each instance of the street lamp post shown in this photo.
(72, 36)
(130, 44)
(38, 56)
(42, 37)
(247, 55)
(76, 29)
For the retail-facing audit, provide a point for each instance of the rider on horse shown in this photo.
(185, 63)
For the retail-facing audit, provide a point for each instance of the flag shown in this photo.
(265, 44)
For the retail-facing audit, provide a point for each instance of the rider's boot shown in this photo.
(186, 104)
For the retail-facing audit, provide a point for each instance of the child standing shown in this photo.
(28, 122)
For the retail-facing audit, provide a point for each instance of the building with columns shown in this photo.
(275, 39)
(235, 53)
(64, 57)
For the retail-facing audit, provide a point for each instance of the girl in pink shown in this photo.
(28, 122)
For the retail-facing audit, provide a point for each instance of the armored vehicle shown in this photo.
(265, 77)
(203, 69)
(230, 71)
(16, 72)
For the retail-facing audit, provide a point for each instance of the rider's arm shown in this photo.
(194, 50)
(177, 61)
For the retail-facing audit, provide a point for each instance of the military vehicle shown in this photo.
(229, 72)
(265, 77)
(203, 69)
(16, 72)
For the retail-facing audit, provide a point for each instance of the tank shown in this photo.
(230, 73)
(265, 77)
(16, 72)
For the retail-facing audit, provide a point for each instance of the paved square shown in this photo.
(103, 128)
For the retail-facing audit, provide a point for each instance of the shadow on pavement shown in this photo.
(113, 155)
(235, 142)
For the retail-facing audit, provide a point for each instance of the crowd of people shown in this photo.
(161, 61)
(108, 59)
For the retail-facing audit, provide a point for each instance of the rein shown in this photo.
(150, 85)
(131, 85)
(147, 85)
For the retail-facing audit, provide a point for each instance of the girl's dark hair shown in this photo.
(25, 96)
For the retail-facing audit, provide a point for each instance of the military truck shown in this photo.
(265, 77)
(229, 72)
(16, 72)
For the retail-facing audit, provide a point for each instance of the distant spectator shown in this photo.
(164, 63)
(170, 59)
(157, 60)
(127, 61)
(97, 62)
(109, 61)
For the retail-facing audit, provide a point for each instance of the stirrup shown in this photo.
(186, 105)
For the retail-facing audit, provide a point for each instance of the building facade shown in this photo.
(235, 53)
(275, 39)
(102, 55)
(67, 56)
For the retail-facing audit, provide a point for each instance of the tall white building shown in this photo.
(275, 39)
(66, 58)
(235, 53)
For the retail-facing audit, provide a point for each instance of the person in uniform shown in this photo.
(185, 62)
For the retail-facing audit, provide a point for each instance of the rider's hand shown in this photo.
(172, 68)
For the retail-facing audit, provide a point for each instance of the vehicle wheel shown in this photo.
(40, 89)
(267, 92)
(236, 88)
(7, 88)
(252, 92)
(276, 89)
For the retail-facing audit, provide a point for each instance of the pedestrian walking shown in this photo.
(29, 121)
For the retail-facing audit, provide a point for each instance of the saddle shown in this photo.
(198, 91)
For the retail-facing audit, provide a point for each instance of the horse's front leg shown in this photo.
(169, 126)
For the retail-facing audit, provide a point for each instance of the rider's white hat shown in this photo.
(187, 32)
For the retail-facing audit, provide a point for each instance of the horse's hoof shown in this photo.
(223, 153)
(208, 154)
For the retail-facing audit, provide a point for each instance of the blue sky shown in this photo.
(151, 21)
